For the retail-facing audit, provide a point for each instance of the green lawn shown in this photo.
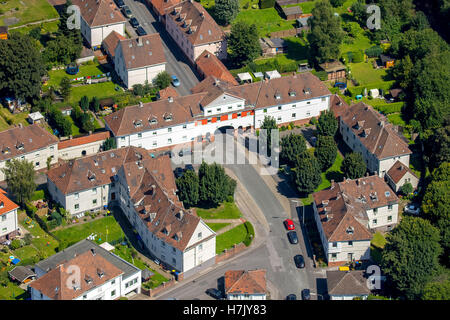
(12, 292)
(217, 226)
(376, 246)
(266, 20)
(227, 239)
(85, 70)
(15, 118)
(99, 227)
(333, 173)
(227, 210)
(396, 119)
(28, 11)
(46, 27)
(366, 74)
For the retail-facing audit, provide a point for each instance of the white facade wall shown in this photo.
(86, 200)
(139, 76)
(188, 132)
(8, 222)
(373, 164)
(37, 157)
(96, 35)
(217, 48)
(408, 177)
(77, 151)
(383, 216)
(246, 297)
(338, 297)
(199, 252)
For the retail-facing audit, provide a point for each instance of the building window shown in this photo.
(77, 195)
(4, 218)
(308, 113)
(333, 256)
(219, 109)
(200, 247)
(94, 202)
(375, 210)
(374, 221)
(390, 207)
(113, 293)
(37, 164)
(94, 191)
(169, 140)
(279, 107)
(174, 261)
(309, 102)
(77, 206)
(139, 135)
(230, 107)
(334, 244)
(293, 115)
(169, 129)
(155, 143)
(294, 105)
(199, 235)
(350, 243)
(184, 126)
(323, 99)
(209, 111)
(113, 282)
(389, 219)
(154, 133)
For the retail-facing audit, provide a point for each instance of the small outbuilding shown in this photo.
(288, 13)
(258, 75)
(387, 61)
(35, 117)
(147, 275)
(335, 69)
(400, 174)
(272, 74)
(244, 77)
(273, 46)
(22, 274)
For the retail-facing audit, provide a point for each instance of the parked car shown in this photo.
(299, 261)
(134, 22)
(215, 293)
(412, 208)
(156, 261)
(120, 3)
(289, 224)
(178, 172)
(292, 235)
(306, 294)
(127, 12)
(291, 297)
(140, 31)
(175, 81)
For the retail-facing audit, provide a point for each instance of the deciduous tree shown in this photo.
(243, 43)
(189, 188)
(325, 151)
(292, 146)
(327, 124)
(307, 173)
(19, 176)
(353, 165)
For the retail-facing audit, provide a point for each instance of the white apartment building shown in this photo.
(82, 146)
(32, 143)
(139, 59)
(9, 225)
(84, 271)
(347, 213)
(215, 105)
(366, 131)
(194, 30)
(98, 19)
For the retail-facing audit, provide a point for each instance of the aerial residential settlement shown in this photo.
(224, 150)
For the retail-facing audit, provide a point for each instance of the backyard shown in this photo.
(227, 210)
(20, 12)
(376, 246)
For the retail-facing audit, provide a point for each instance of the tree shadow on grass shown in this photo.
(334, 175)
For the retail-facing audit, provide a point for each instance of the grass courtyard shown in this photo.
(238, 234)
(217, 226)
(227, 210)
(20, 12)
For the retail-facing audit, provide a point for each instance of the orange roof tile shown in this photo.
(6, 205)
(210, 65)
(83, 140)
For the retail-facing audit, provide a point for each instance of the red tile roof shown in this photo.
(245, 282)
(161, 5)
(167, 92)
(99, 12)
(343, 206)
(6, 205)
(54, 284)
(110, 43)
(209, 65)
(142, 51)
(204, 28)
(18, 141)
(347, 283)
(338, 105)
(381, 138)
(398, 171)
(83, 140)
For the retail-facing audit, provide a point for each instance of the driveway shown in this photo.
(176, 61)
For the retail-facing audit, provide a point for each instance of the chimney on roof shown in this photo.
(170, 99)
(20, 125)
(381, 123)
(139, 41)
(70, 137)
(141, 104)
(93, 251)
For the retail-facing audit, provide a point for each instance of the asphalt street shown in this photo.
(176, 61)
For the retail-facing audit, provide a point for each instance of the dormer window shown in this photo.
(137, 123)
(153, 121)
(100, 272)
(168, 117)
(88, 279)
(292, 93)
(277, 95)
(6, 150)
(350, 230)
(307, 90)
(177, 236)
(20, 146)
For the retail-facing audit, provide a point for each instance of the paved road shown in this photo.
(176, 61)
(275, 254)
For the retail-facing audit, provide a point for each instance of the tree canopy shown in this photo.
(21, 68)
(292, 145)
(326, 33)
(269, 124)
(189, 188)
(307, 174)
(327, 124)
(19, 175)
(225, 11)
(215, 185)
(243, 43)
(162, 80)
(353, 165)
(325, 151)
(410, 257)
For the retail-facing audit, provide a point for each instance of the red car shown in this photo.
(289, 224)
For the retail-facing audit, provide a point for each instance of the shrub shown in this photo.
(27, 239)
(15, 244)
(246, 5)
(250, 233)
(264, 4)
(374, 51)
(358, 56)
(406, 189)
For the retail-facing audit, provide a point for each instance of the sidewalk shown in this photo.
(232, 223)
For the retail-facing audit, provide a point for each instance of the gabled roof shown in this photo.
(21, 273)
(398, 171)
(6, 205)
(338, 105)
(138, 118)
(111, 41)
(99, 136)
(93, 171)
(94, 272)
(99, 12)
(166, 93)
(141, 51)
(21, 140)
(245, 282)
(204, 28)
(332, 66)
(161, 5)
(210, 65)
(342, 208)
(349, 283)
(381, 139)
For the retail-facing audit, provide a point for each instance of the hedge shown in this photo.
(250, 233)
(389, 108)
(385, 85)
(264, 4)
(374, 51)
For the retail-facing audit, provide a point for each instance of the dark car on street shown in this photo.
(291, 297)
(140, 31)
(127, 12)
(299, 261)
(120, 3)
(292, 235)
(215, 293)
(134, 22)
(306, 294)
